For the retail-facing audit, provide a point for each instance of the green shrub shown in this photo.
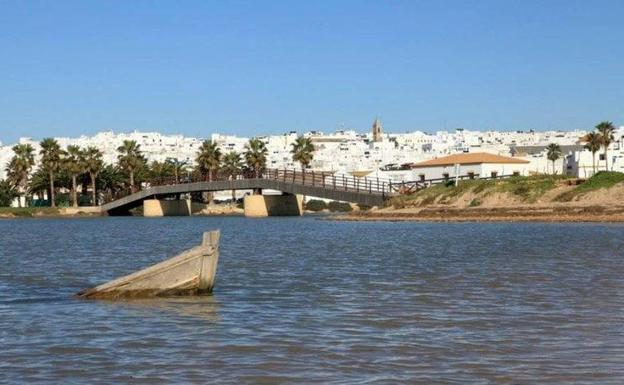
(475, 202)
(315, 205)
(603, 179)
(398, 203)
(339, 206)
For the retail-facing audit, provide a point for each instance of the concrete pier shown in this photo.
(166, 208)
(259, 206)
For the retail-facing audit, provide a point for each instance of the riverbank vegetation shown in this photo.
(525, 190)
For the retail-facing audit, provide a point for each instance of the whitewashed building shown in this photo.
(476, 164)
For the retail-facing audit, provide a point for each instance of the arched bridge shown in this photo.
(364, 191)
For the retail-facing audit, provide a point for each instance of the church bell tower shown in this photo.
(377, 130)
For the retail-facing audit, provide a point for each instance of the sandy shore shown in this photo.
(493, 214)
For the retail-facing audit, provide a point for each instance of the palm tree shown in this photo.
(130, 159)
(302, 151)
(8, 192)
(606, 129)
(177, 167)
(256, 156)
(160, 170)
(19, 166)
(110, 180)
(232, 166)
(74, 164)
(93, 165)
(553, 153)
(208, 158)
(593, 143)
(51, 160)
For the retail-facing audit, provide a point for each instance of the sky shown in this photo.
(255, 67)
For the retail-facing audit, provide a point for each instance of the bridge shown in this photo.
(363, 191)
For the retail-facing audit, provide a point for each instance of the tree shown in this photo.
(51, 160)
(208, 158)
(256, 156)
(130, 159)
(110, 180)
(177, 167)
(606, 129)
(160, 171)
(19, 167)
(232, 166)
(593, 144)
(74, 164)
(553, 153)
(8, 192)
(93, 165)
(302, 151)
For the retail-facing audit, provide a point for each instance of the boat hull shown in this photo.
(189, 273)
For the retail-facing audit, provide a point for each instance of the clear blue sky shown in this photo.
(252, 67)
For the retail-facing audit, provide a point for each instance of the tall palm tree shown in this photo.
(208, 158)
(553, 153)
(93, 165)
(19, 167)
(606, 129)
(130, 159)
(51, 160)
(593, 143)
(232, 166)
(302, 151)
(256, 156)
(74, 164)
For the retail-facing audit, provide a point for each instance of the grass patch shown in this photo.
(527, 188)
(603, 179)
(28, 211)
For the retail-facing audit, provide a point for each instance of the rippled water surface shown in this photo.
(306, 300)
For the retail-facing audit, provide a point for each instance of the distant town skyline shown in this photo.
(252, 68)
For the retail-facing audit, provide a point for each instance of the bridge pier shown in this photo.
(259, 206)
(166, 208)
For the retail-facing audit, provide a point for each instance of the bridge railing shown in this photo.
(329, 180)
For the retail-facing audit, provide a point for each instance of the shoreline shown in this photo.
(551, 214)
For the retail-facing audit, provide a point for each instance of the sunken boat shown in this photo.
(191, 272)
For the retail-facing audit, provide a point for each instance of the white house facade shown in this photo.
(478, 165)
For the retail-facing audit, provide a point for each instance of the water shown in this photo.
(306, 300)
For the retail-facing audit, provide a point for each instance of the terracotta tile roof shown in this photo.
(469, 158)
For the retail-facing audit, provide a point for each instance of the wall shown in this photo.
(273, 205)
(166, 208)
(482, 170)
(437, 172)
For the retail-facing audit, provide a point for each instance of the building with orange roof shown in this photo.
(476, 164)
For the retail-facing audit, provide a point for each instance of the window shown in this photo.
(516, 173)
(471, 174)
(445, 175)
(602, 157)
(494, 174)
(422, 177)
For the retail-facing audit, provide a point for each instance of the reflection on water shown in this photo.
(304, 300)
(205, 307)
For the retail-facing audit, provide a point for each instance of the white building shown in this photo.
(478, 165)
